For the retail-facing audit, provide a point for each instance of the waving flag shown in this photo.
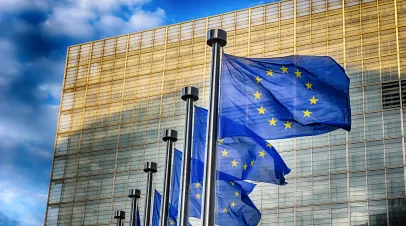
(241, 153)
(234, 207)
(285, 97)
(156, 213)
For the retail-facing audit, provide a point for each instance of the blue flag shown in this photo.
(241, 153)
(138, 218)
(175, 190)
(285, 97)
(175, 187)
(156, 214)
(234, 207)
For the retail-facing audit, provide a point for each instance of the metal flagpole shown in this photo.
(150, 168)
(134, 194)
(120, 216)
(216, 38)
(169, 136)
(189, 94)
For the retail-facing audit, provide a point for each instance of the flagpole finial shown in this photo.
(217, 35)
(134, 193)
(150, 167)
(190, 91)
(119, 214)
(170, 134)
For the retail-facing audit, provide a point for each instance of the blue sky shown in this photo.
(33, 40)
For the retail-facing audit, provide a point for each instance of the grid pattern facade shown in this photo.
(121, 92)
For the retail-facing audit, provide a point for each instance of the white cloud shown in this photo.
(143, 20)
(8, 65)
(17, 200)
(86, 19)
(20, 5)
(109, 25)
(71, 22)
(108, 5)
(53, 89)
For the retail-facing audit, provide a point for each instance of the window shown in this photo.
(375, 154)
(394, 152)
(373, 126)
(390, 95)
(357, 186)
(392, 123)
(356, 154)
(304, 191)
(376, 184)
(338, 162)
(320, 165)
(359, 213)
(303, 162)
(338, 188)
(395, 182)
(373, 98)
(377, 212)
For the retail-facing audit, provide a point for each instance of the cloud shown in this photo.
(143, 20)
(108, 5)
(33, 45)
(70, 22)
(90, 18)
(16, 200)
(6, 221)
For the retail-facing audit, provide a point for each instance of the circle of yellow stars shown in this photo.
(261, 110)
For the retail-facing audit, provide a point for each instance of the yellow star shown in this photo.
(272, 122)
(287, 125)
(224, 153)
(221, 141)
(197, 185)
(198, 196)
(284, 69)
(298, 73)
(306, 113)
(233, 204)
(262, 154)
(234, 163)
(270, 73)
(252, 162)
(232, 183)
(269, 145)
(313, 100)
(308, 85)
(236, 193)
(225, 210)
(245, 166)
(261, 110)
(172, 222)
(258, 79)
(257, 95)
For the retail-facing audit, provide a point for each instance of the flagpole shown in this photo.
(216, 38)
(134, 194)
(170, 136)
(189, 94)
(120, 216)
(150, 168)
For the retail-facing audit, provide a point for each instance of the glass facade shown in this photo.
(120, 93)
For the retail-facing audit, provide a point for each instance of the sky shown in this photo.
(33, 41)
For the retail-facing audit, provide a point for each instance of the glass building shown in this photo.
(120, 93)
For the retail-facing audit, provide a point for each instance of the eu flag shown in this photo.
(285, 97)
(234, 207)
(138, 218)
(156, 214)
(241, 153)
(175, 190)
